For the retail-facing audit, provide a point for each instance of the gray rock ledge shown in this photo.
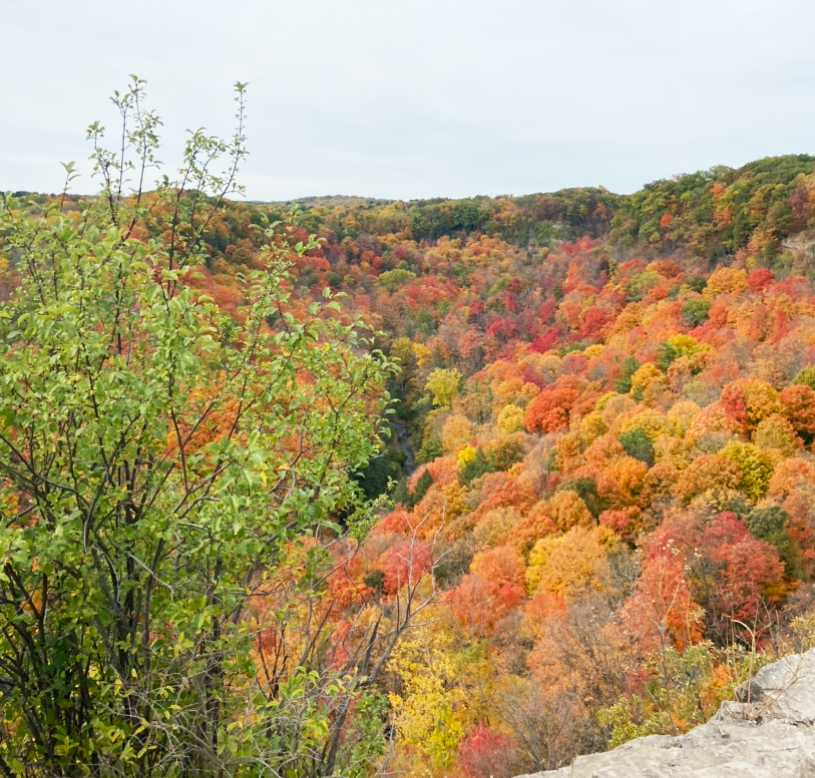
(770, 736)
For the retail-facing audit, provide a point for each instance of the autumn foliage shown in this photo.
(602, 451)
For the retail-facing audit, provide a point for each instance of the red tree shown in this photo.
(478, 605)
(737, 570)
(486, 753)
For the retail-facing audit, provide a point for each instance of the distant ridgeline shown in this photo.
(711, 213)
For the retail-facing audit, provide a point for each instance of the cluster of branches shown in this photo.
(161, 464)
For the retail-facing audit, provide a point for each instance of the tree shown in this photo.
(456, 433)
(474, 463)
(737, 572)
(571, 565)
(771, 523)
(629, 366)
(661, 613)
(477, 605)
(638, 445)
(708, 475)
(443, 385)
(748, 401)
(805, 377)
(695, 311)
(404, 564)
(501, 565)
(777, 433)
(799, 403)
(755, 467)
(486, 753)
(426, 711)
(160, 459)
(586, 488)
(510, 419)
(568, 509)
(422, 486)
(550, 410)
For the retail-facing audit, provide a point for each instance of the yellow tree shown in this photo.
(427, 711)
(443, 385)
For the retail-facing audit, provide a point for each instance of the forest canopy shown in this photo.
(344, 486)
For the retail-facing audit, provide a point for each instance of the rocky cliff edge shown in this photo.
(769, 732)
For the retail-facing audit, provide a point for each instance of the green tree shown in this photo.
(628, 367)
(393, 279)
(474, 468)
(586, 488)
(157, 461)
(770, 523)
(666, 354)
(695, 311)
(805, 377)
(430, 450)
(638, 444)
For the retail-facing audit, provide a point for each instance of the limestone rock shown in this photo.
(768, 732)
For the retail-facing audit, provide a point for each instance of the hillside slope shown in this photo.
(600, 468)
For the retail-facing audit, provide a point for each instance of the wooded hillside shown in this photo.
(595, 485)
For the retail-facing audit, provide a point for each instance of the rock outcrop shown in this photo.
(768, 732)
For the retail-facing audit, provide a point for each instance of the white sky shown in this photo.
(425, 98)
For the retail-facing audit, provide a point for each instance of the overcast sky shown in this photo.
(427, 98)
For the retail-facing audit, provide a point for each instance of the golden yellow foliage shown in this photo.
(592, 426)
(456, 433)
(681, 416)
(755, 467)
(725, 280)
(568, 509)
(453, 496)
(510, 419)
(708, 475)
(676, 451)
(687, 345)
(569, 452)
(426, 713)
(571, 565)
(644, 376)
(628, 318)
(651, 422)
(422, 354)
(443, 385)
(467, 454)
